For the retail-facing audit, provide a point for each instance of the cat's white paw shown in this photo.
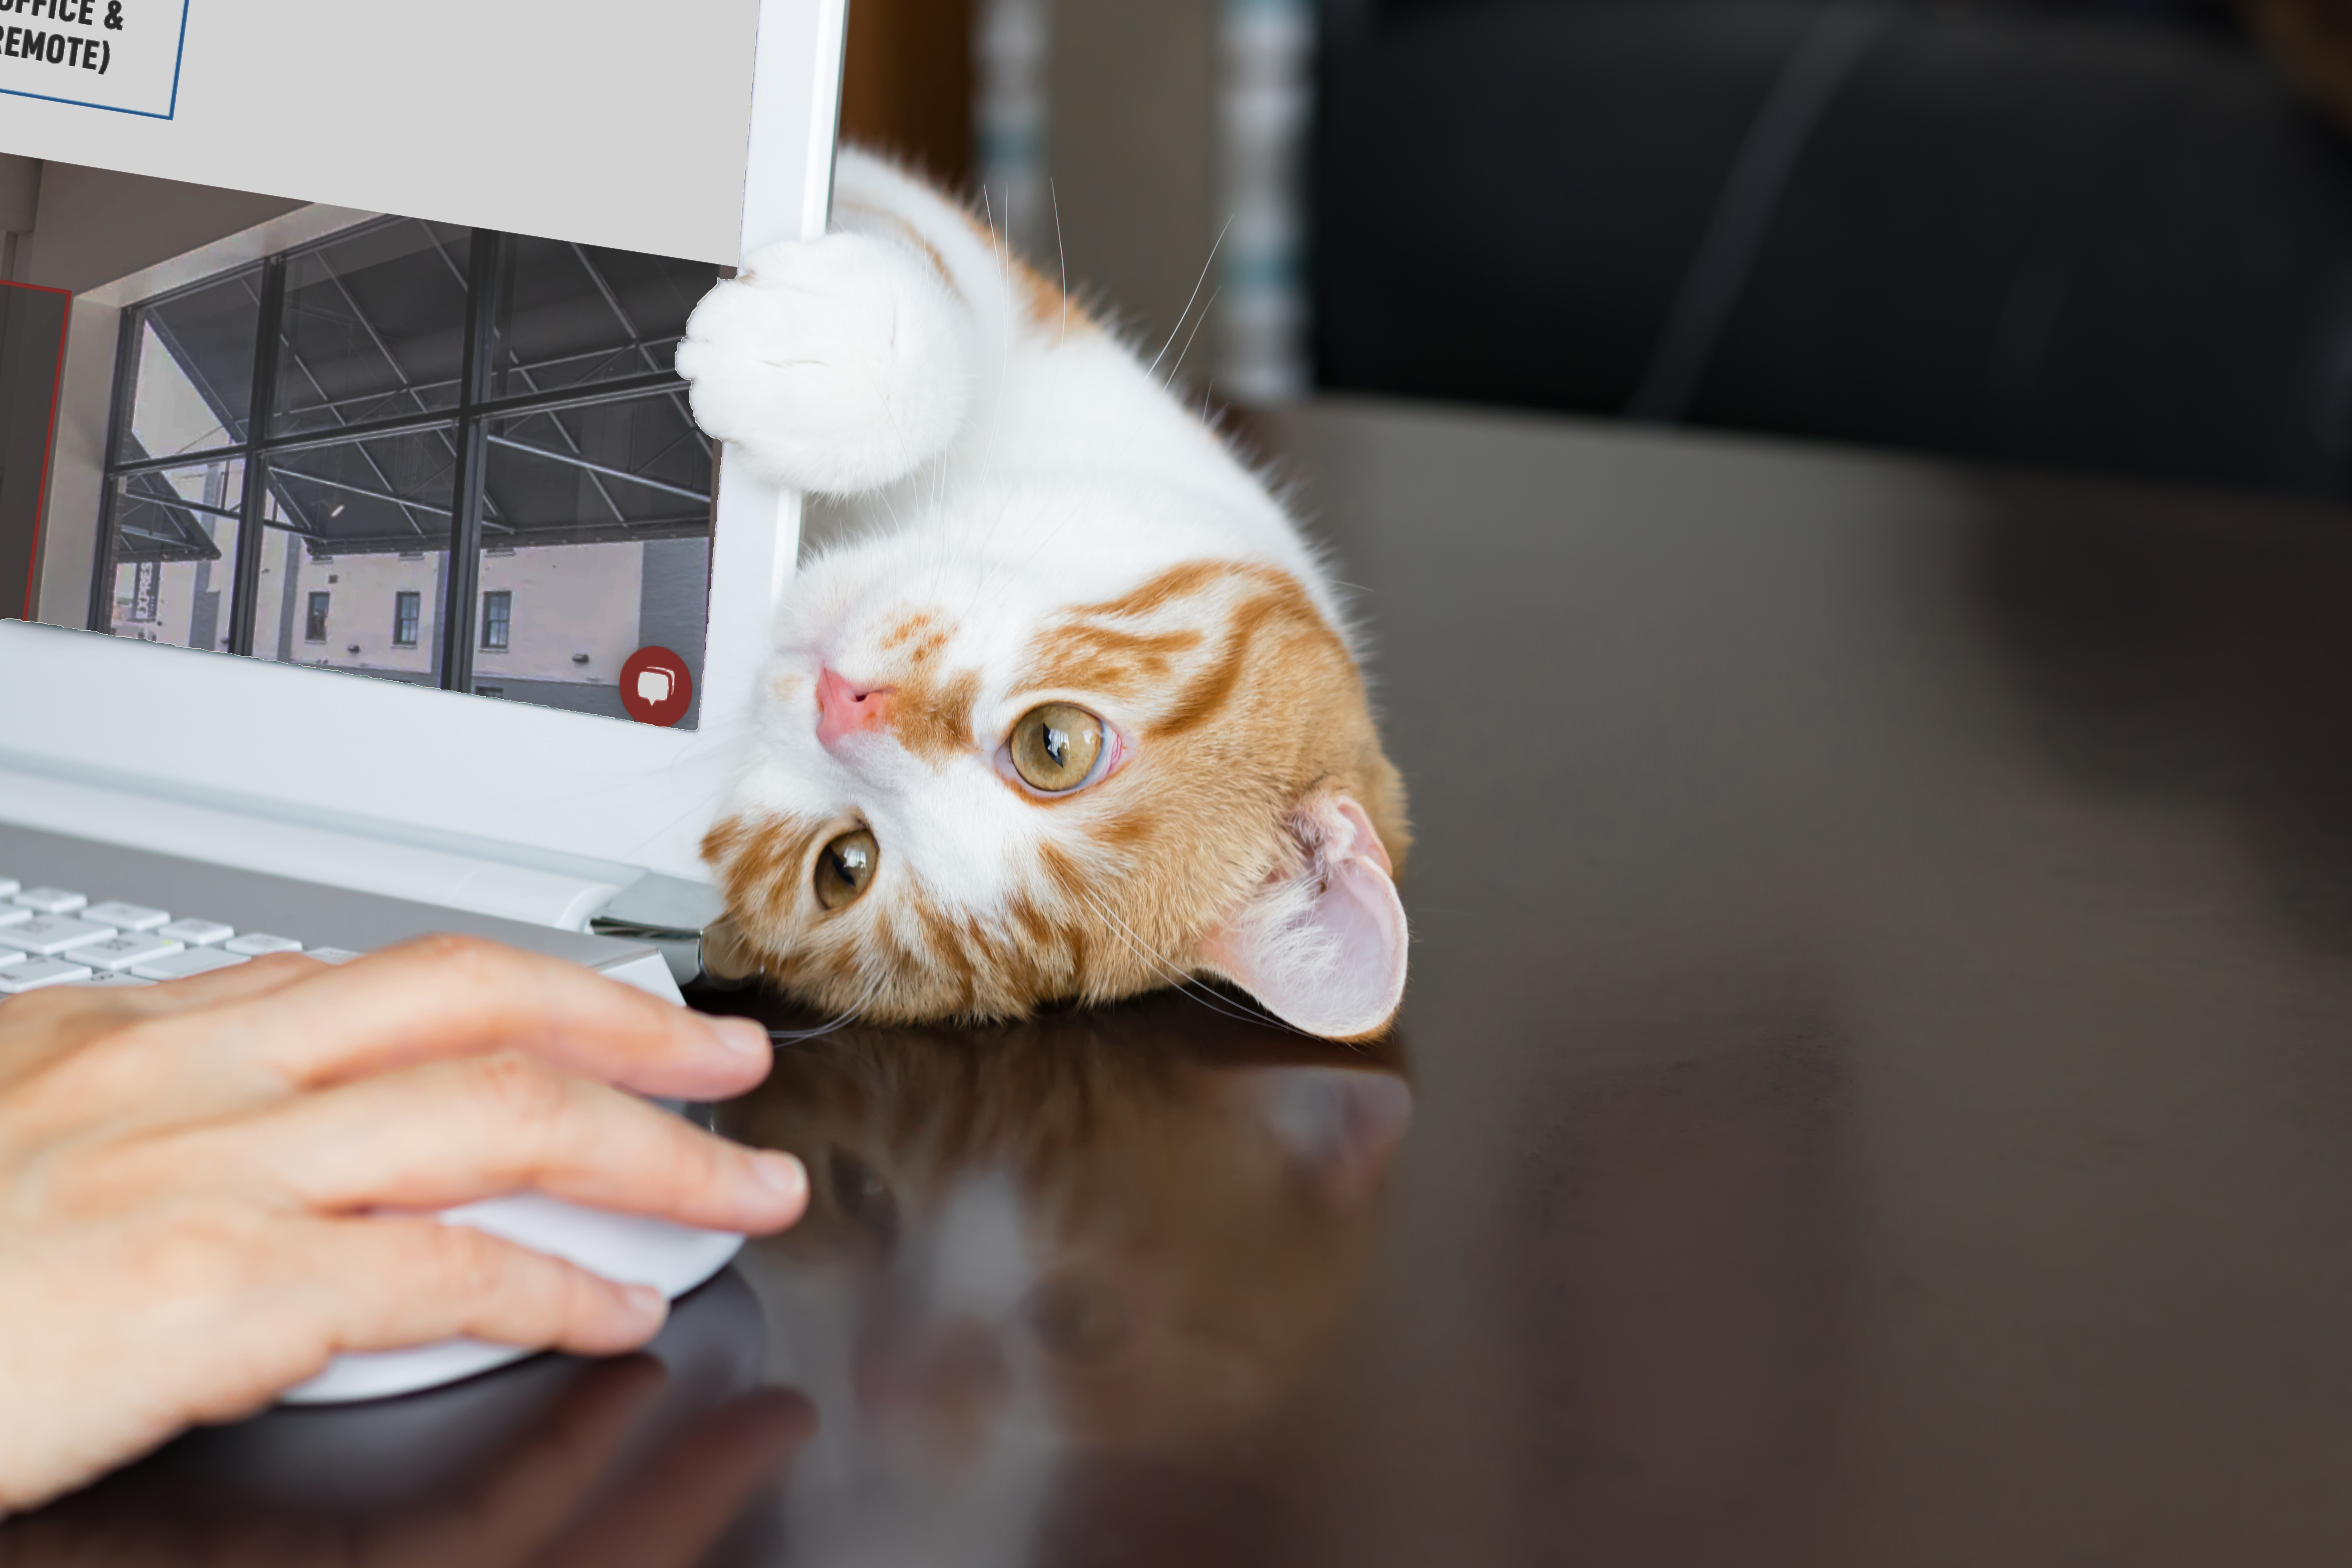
(837, 365)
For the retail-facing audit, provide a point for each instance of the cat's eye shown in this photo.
(844, 869)
(1056, 747)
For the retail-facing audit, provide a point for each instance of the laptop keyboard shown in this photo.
(58, 936)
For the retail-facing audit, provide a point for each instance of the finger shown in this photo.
(452, 1132)
(278, 1304)
(449, 996)
(37, 1029)
(222, 987)
(672, 1511)
(378, 1284)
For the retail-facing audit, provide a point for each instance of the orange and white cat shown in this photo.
(1069, 711)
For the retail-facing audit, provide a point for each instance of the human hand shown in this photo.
(189, 1175)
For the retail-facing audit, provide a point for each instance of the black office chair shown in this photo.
(2028, 233)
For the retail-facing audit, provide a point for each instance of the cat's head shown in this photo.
(999, 767)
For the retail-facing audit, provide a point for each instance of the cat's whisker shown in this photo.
(1187, 348)
(1168, 970)
(792, 1037)
(987, 578)
(1063, 251)
(1196, 294)
(1004, 362)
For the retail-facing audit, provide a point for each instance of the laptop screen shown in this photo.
(408, 450)
(369, 365)
(373, 497)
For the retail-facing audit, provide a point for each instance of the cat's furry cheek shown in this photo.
(838, 365)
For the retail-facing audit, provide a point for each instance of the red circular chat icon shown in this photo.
(655, 688)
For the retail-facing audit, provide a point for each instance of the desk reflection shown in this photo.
(1041, 1265)
(646, 1460)
(1038, 1256)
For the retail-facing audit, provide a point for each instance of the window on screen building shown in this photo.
(429, 415)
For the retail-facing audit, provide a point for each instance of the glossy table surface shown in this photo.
(1880, 1063)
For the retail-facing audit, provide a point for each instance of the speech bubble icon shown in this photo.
(657, 687)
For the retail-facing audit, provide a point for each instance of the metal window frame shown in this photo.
(414, 621)
(489, 263)
(505, 623)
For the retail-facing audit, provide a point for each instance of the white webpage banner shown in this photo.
(122, 55)
(609, 122)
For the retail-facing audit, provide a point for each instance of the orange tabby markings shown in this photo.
(1264, 704)
(1044, 305)
(934, 718)
(1077, 657)
(911, 235)
(1177, 582)
(1208, 696)
(907, 629)
(764, 864)
(1243, 722)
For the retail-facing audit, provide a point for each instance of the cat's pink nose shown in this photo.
(843, 709)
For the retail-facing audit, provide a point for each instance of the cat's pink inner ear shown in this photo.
(1326, 955)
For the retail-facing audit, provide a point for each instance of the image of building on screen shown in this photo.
(413, 451)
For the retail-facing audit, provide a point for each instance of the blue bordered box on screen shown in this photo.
(117, 55)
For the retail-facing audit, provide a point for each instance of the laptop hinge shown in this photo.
(671, 913)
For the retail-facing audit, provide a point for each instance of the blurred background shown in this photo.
(2112, 236)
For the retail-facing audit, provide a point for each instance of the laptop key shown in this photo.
(256, 944)
(126, 917)
(105, 981)
(125, 952)
(9, 887)
(195, 933)
(46, 936)
(194, 960)
(50, 901)
(10, 955)
(33, 973)
(14, 915)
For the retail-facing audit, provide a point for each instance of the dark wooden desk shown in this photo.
(1881, 1046)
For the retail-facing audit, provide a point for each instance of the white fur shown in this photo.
(963, 450)
(835, 366)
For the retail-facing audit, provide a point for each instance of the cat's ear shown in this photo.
(1338, 1125)
(1322, 946)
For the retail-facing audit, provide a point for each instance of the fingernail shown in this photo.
(645, 1302)
(780, 1175)
(741, 1036)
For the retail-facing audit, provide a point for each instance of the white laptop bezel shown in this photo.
(441, 763)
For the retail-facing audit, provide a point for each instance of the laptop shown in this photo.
(374, 578)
